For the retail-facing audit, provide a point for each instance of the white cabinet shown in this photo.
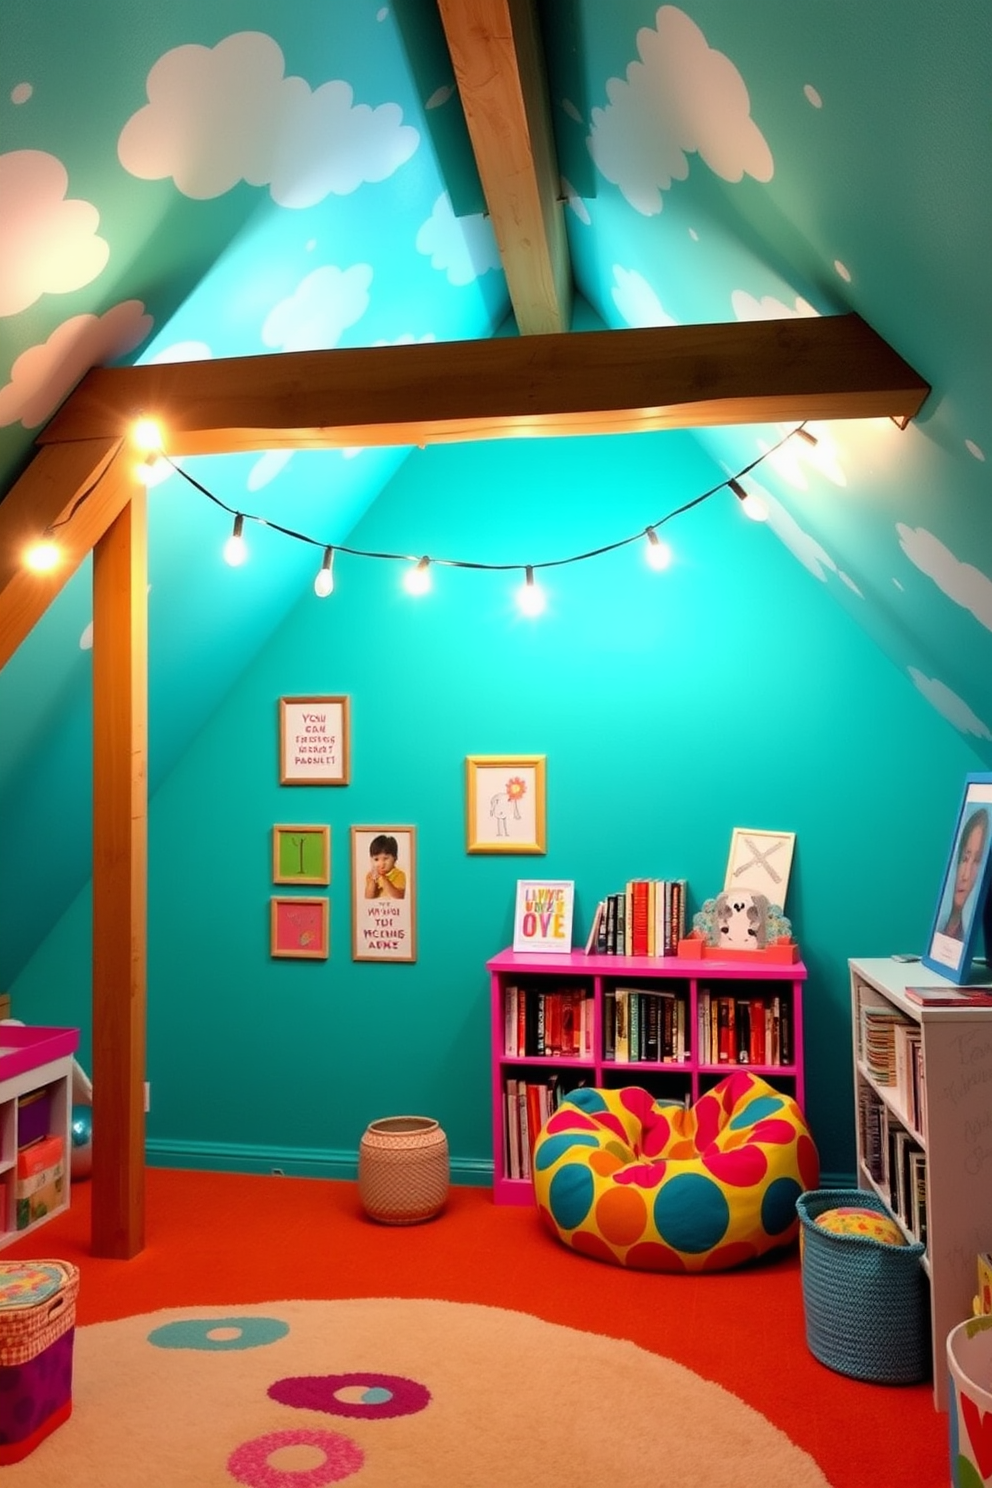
(32, 1060)
(923, 1083)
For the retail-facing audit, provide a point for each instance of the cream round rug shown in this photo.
(386, 1393)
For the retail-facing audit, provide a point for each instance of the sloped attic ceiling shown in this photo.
(206, 182)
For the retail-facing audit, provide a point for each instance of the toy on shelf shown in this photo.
(740, 925)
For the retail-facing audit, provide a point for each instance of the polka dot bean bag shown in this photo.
(660, 1187)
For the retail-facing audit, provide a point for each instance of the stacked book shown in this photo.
(646, 918)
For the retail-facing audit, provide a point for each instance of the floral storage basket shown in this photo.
(866, 1302)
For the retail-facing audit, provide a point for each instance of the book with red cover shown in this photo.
(950, 996)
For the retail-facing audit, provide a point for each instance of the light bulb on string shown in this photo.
(43, 556)
(806, 434)
(417, 580)
(530, 596)
(751, 505)
(323, 584)
(147, 435)
(236, 549)
(658, 553)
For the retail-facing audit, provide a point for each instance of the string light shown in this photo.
(418, 580)
(530, 596)
(43, 556)
(658, 554)
(323, 584)
(236, 549)
(752, 505)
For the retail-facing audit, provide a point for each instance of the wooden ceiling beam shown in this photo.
(498, 59)
(595, 382)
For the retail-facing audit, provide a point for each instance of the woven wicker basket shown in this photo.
(403, 1169)
(867, 1304)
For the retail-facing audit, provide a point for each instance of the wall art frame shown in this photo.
(315, 739)
(964, 889)
(300, 928)
(301, 854)
(506, 803)
(760, 861)
(542, 917)
(383, 893)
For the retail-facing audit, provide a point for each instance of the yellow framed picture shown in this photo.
(505, 803)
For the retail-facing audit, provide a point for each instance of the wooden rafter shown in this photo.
(497, 55)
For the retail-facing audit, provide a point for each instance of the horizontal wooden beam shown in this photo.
(62, 490)
(594, 382)
(497, 55)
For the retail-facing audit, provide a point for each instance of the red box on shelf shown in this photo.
(40, 1179)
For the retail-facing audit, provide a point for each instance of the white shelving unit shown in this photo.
(955, 1134)
(32, 1059)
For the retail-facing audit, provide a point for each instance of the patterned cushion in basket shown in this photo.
(624, 1178)
(854, 1220)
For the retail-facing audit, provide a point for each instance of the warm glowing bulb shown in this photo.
(153, 469)
(418, 580)
(43, 556)
(658, 554)
(236, 549)
(530, 596)
(147, 435)
(751, 505)
(323, 584)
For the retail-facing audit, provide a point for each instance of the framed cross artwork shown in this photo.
(760, 861)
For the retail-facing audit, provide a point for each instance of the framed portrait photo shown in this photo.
(505, 803)
(760, 862)
(314, 740)
(383, 894)
(964, 887)
(300, 928)
(301, 855)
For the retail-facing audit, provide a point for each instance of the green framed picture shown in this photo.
(301, 854)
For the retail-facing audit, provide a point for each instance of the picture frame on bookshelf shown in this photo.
(315, 740)
(964, 887)
(299, 928)
(383, 893)
(301, 854)
(505, 803)
(542, 920)
(761, 862)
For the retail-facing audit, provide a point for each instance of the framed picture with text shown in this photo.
(300, 928)
(383, 893)
(964, 888)
(314, 740)
(301, 855)
(542, 919)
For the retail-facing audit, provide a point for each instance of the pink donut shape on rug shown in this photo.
(625, 1178)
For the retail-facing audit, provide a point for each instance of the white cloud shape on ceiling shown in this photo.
(323, 305)
(683, 97)
(48, 245)
(748, 307)
(43, 375)
(962, 582)
(464, 248)
(182, 351)
(636, 300)
(947, 703)
(224, 114)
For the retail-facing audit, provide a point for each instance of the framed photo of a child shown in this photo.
(965, 886)
(384, 893)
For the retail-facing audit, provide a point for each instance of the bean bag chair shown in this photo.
(658, 1186)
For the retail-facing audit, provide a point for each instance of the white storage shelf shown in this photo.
(32, 1059)
(955, 1134)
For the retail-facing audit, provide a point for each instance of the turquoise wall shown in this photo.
(732, 690)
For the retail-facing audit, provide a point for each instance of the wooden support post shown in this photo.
(120, 566)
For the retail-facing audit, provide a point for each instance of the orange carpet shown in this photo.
(215, 1240)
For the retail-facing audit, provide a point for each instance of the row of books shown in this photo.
(892, 1051)
(647, 918)
(527, 1104)
(645, 1026)
(745, 1030)
(547, 1024)
(895, 1161)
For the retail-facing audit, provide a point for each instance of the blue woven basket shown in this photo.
(867, 1304)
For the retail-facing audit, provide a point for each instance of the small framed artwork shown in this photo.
(300, 928)
(761, 861)
(542, 920)
(301, 855)
(964, 888)
(505, 803)
(314, 740)
(383, 894)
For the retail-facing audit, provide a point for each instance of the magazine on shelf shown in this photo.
(950, 996)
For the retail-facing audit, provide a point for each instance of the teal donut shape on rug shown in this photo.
(626, 1178)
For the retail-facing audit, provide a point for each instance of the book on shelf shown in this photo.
(592, 940)
(950, 996)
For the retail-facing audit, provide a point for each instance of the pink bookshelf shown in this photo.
(684, 1074)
